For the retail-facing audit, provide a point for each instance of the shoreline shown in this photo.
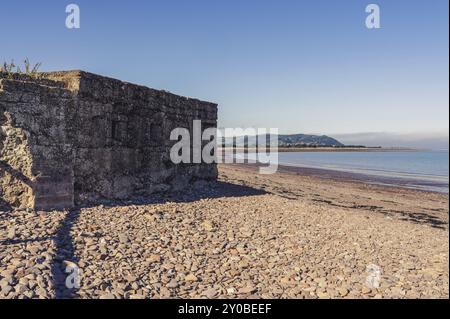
(339, 189)
(325, 149)
(354, 177)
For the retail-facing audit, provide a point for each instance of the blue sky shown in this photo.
(302, 66)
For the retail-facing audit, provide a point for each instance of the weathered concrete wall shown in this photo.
(35, 155)
(78, 136)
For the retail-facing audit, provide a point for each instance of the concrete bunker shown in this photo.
(69, 137)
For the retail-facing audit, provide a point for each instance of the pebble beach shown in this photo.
(245, 236)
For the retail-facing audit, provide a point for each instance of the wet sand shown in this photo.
(344, 176)
(343, 189)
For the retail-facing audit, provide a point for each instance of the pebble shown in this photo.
(191, 277)
(343, 292)
(211, 293)
(173, 284)
(247, 290)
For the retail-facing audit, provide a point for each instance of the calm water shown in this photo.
(430, 166)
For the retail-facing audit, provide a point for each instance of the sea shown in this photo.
(428, 170)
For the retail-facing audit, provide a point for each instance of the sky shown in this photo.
(300, 66)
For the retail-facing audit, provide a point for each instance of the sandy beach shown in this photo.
(294, 234)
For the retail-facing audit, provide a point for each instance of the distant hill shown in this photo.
(308, 140)
(294, 140)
